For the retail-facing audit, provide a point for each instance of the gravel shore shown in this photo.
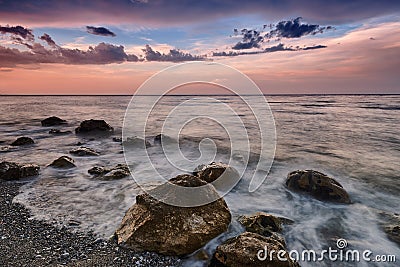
(28, 242)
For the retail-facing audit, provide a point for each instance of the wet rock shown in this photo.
(14, 171)
(391, 226)
(63, 162)
(84, 151)
(52, 121)
(318, 185)
(94, 126)
(261, 223)
(242, 250)
(59, 132)
(117, 139)
(21, 141)
(213, 171)
(118, 172)
(162, 138)
(136, 142)
(151, 225)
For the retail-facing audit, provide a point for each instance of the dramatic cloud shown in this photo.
(295, 29)
(99, 31)
(251, 39)
(165, 13)
(45, 37)
(174, 55)
(20, 31)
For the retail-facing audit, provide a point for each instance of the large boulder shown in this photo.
(118, 172)
(52, 121)
(391, 226)
(211, 172)
(14, 171)
(84, 151)
(63, 162)
(261, 223)
(22, 141)
(318, 185)
(151, 225)
(94, 126)
(158, 139)
(249, 249)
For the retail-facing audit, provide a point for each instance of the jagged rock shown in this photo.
(151, 225)
(59, 132)
(242, 250)
(136, 142)
(118, 172)
(391, 226)
(318, 185)
(21, 141)
(84, 151)
(261, 223)
(52, 121)
(14, 171)
(63, 162)
(94, 126)
(213, 171)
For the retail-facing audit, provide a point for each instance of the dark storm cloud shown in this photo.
(20, 31)
(295, 29)
(99, 31)
(165, 13)
(174, 55)
(45, 37)
(250, 39)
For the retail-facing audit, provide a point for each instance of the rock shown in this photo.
(63, 162)
(162, 137)
(84, 151)
(14, 171)
(94, 126)
(52, 121)
(391, 226)
(318, 185)
(118, 172)
(59, 132)
(261, 223)
(151, 225)
(21, 141)
(242, 250)
(136, 142)
(117, 139)
(213, 171)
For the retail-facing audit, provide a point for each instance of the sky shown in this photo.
(285, 47)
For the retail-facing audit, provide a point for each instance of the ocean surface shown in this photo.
(353, 138)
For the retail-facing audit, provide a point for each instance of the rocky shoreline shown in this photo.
(29, 242)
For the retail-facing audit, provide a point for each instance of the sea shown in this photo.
(352, 138)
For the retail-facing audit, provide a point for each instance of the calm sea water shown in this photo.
(355, 139)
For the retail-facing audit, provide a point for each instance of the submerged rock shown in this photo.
(52, 121)
(14, 171)
(261, 223)
(211, 172)
(136, 142)
(242, 250)
(318, 185)
(118, 172)
(21, 141)
(117, 139)
(84, 151)
(94, 126)
(391, 226)
(59, 132)
(151, 225)
(63, 162)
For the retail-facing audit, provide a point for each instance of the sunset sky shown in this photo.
(286, 47)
